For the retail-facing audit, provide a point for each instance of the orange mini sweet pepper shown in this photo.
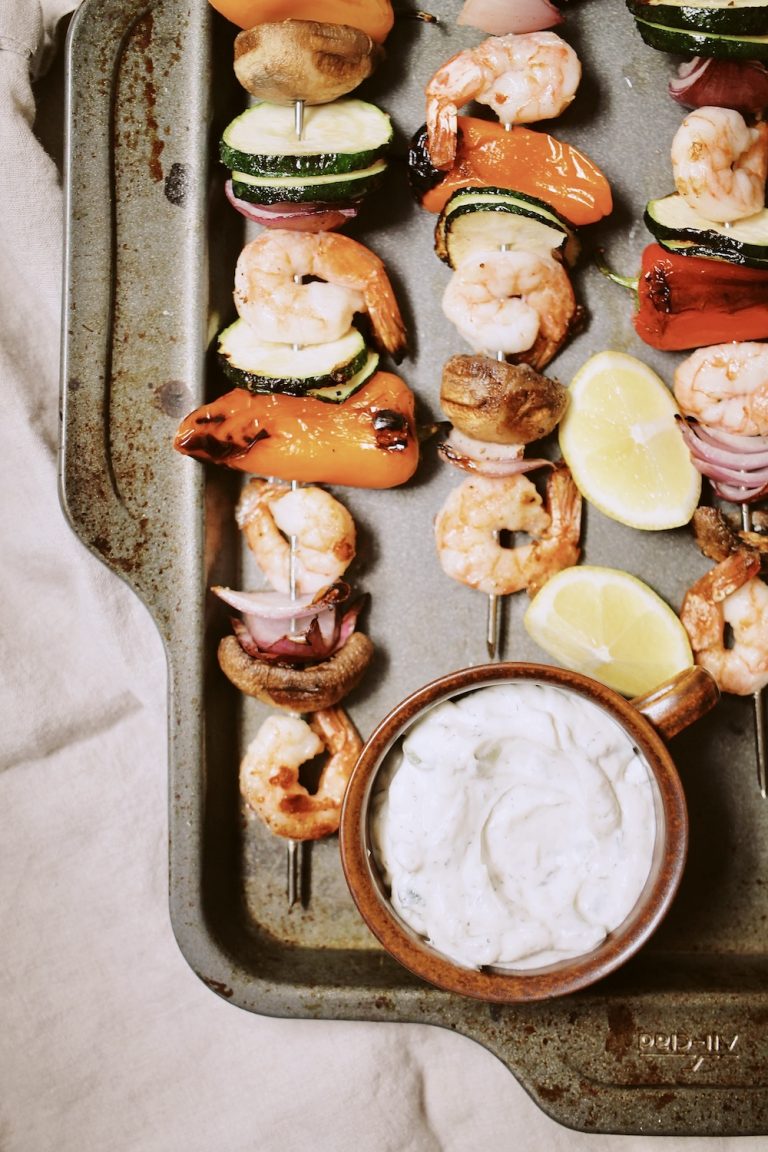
(372, 16)
(369, 441)
(528, 161)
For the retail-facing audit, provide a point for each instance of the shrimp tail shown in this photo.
(559, 545)
(353, 265)
(386, 320)
(564, 502)
(442, 134)
(701, 613)
(729, 575)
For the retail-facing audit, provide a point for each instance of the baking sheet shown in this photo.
(676, 1042)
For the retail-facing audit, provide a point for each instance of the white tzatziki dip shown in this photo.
(516, 826)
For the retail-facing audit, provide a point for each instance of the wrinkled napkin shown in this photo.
(108, 1040)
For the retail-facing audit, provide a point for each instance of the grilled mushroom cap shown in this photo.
(499, 402)
(303, 60)
(302, 689)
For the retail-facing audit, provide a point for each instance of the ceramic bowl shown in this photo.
(648, 721)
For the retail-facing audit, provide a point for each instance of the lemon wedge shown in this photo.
(609, 625)
(620, 440)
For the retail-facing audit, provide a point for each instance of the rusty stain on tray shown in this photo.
(677, 1042)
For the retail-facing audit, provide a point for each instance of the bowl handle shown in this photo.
(679, 701)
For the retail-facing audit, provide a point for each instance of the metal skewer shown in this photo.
(757, 697)
(292, 878)
(493, 619)
(295, 847)
(295, 850)
(298, 118)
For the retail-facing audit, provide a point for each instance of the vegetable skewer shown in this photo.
(519, 303)
(269, 773)
(703, 287)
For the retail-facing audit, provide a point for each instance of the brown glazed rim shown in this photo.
(558, 979)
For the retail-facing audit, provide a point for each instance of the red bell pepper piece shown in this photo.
(693, 301)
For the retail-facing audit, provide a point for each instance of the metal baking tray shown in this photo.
(677, 1042)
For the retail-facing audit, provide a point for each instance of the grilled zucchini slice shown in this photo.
(687, 42)
(328, 189)
(723, 17)
(679, 228)
(344, 136)
(338, 393)
(491, 217)
(263, 366)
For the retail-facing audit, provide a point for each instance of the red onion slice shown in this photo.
(483, 458)
(301, 631)
(733, 441)
(738, 84)
(268, 604)
(737, 468)
(719, 454)
(310, 217)
(305, 647)
(740, 495)
(498, 17)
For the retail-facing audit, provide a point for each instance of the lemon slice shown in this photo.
(620, 440)
(609, 625)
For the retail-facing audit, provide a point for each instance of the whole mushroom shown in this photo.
(303, 60)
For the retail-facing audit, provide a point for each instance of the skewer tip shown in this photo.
(492, 629)
(293, 869)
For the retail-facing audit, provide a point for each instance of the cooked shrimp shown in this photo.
(269, 772)
(522, 78)
(324, 530)
(511, 302)
(466, 525)
(726, 386)
(350, 279)
(720, 164)
(730, 593)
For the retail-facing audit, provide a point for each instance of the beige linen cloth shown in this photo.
(108, 1041)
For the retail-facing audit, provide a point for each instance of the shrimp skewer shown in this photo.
(506, 301)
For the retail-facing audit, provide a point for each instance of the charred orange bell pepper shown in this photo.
(369, 441)
(372, 16)
(688, 302)
(533, 163)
